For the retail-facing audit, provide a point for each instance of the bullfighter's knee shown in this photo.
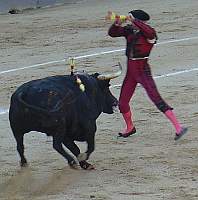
(163, 107)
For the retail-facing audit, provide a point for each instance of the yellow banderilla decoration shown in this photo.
(78, 80)
(112, 16)
(81, 85)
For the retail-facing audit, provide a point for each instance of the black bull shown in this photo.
(58, 107)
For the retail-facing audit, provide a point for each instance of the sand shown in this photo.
(147, 166)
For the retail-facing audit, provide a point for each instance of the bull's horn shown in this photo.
(111, 75)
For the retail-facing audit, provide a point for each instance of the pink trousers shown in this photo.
(138, 71)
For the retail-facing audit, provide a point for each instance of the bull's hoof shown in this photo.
(85, 165)
(73, 165)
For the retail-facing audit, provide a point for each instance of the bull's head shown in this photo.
(109, 101)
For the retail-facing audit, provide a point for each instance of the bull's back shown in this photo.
(43, 93)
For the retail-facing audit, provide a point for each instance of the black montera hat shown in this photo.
(140, 14)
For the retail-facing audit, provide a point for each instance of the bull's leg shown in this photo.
(82, 157)
(57, 145)
(90, 145)
(85, 156)
(71, 146)
(90, 138)
(20, 149)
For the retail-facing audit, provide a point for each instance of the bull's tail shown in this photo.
(30, 106)
(45, 117)
(38, 108)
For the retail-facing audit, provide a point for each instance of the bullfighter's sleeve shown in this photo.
(148, 31)
(116, 31)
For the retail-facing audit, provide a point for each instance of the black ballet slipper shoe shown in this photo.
(125, 135)
(182, 132)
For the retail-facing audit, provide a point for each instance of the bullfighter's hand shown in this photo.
(117, 21)
(131, 18)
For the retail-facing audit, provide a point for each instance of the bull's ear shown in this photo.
(95, 75)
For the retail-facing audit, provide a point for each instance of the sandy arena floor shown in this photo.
(147, 166)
